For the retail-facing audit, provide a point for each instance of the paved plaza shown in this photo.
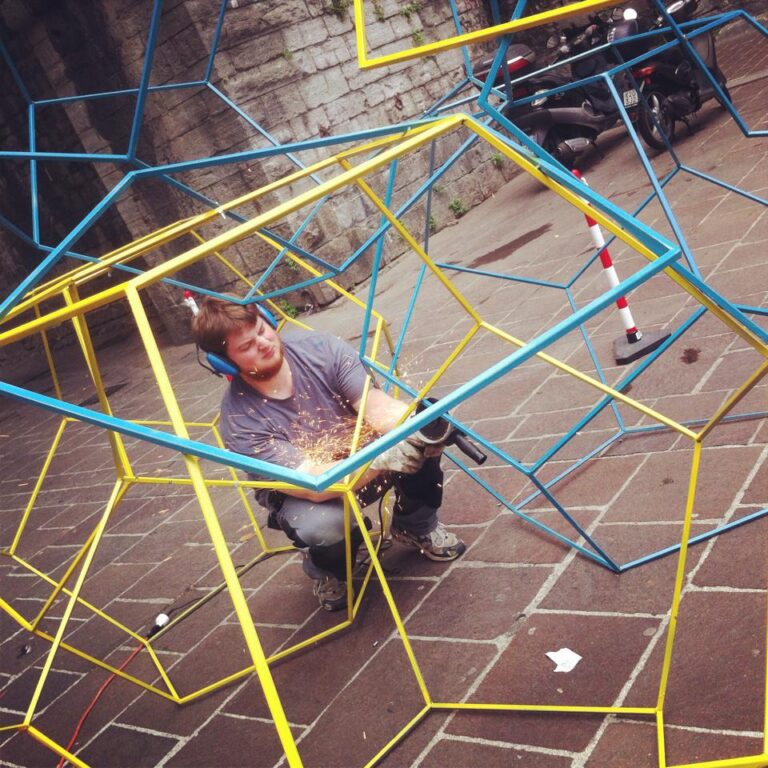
(480, 626)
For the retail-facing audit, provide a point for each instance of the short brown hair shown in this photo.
(217, 318)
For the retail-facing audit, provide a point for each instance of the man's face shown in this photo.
(256, 350)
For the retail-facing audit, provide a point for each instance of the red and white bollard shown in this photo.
(189, 300)
(630, 348)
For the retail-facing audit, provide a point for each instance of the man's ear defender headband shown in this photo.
(221, 365)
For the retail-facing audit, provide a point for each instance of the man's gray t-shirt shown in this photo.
(316, 422)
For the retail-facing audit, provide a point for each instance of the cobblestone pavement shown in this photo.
(480, 626)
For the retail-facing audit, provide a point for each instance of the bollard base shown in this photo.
(626, 352)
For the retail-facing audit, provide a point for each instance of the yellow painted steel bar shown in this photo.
(14, 727)
(49, 358)
(399, 736)
(172, 696)
(660, 746)
(92, 608)
(119, 455)
(586, 379)
(316, 272)
(765, 690)
(102, 524)
(243, 495)
(274, 485)
(372, 552)
(38, 487)
(84, 272)
(680, 574)
(545, 708)
(38, 735)
(224, 260)
(467, 38)
(748, 761)
(217, 537)
(76, 560)
(415, 246)
(734, 400)
(284, 209)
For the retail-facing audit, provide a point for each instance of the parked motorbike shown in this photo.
(568, 123)
(673, 86)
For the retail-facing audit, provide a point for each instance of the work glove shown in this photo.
(406, 457)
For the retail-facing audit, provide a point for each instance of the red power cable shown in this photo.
(87, 710)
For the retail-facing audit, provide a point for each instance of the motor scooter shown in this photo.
(568, 123)
(672, 85)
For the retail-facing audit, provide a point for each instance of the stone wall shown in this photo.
(291, 66)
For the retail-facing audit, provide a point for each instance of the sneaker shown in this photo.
(440, 545)
(331, 593)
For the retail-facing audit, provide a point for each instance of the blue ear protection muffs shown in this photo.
(221, 365)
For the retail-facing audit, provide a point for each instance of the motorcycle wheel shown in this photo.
(657, 103)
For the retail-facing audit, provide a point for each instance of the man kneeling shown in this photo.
(294, 403)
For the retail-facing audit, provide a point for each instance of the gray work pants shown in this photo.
(318, 527)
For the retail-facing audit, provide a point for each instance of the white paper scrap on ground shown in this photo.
(565, 659)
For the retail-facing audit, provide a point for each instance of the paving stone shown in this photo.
(453, 753)
(594, 483)
(717, 664)
(18, 695)
(739, 558)
(585, 586)
(658, 491)
(221, 653)
(257, 744)
(626, 744)
(511, 539)
(117, 747)
(306, 681)
(477, 603)
(610, 647)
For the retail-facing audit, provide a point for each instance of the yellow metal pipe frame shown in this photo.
(75, 308)
(467, 38)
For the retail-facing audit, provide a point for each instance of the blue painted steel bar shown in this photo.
(640, 368)
(578, 463)
(268, 136)
(725, 185)
(460, 30)
(53, 257)
(283, 149)
(165, 439)
(215, 41)
(146, 74)
(9, 225)
(407, 319)
(500, 275)
(529, 519)
(694, 540)
(646, 163)
(592, 543)
(731, 417)
(15, 73)
(375, 367)
(477, 383)
(280, 256)
(593, 357)
(377, 260)
(121, 92)
(722, 302)
(65, 157)
(33, 174)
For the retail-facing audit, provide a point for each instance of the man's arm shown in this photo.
(383, 413)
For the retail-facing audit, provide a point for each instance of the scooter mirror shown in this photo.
(630, 14)
(552, 42)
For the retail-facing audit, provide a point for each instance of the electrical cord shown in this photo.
(160, 621)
